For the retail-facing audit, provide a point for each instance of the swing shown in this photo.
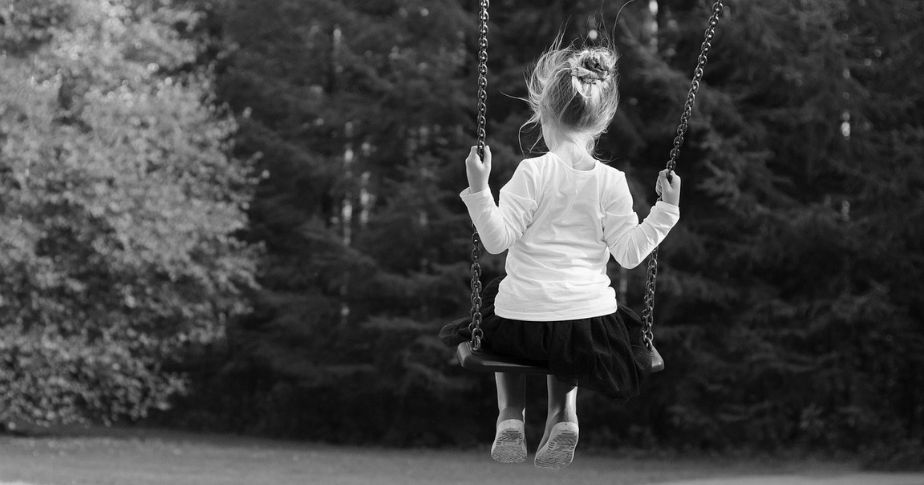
(470, 354)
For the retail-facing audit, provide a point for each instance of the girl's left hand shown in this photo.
(477, 171)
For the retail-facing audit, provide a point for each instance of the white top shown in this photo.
(561, 225)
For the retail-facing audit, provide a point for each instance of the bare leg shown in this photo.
(562, 405)
(509, 440)
(511, 396)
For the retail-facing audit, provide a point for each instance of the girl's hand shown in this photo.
(669, 191)
(477, 171)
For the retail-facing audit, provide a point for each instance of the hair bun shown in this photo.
(591, 66)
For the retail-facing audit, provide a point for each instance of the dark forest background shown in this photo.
(242, 215)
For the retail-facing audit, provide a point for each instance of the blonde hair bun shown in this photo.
(575, 89)
(593, 66)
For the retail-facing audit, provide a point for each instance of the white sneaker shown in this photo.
(558, 451)
(509, 442)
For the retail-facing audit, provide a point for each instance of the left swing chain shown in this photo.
(475, 325)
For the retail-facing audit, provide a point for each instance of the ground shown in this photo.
(146, 458)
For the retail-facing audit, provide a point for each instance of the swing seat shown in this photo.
(482, 361)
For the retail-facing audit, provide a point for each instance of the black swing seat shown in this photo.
(483, 361)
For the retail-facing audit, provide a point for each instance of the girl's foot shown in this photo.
(558, 451)
(509, 442)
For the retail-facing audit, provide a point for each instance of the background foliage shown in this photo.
(788, 308)
(117, 207)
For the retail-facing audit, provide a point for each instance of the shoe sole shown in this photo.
(509, 447)
(558, 452)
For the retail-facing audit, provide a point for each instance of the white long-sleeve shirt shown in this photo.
(561, 225)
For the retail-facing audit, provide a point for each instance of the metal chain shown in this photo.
(475, 325)
(648, 312)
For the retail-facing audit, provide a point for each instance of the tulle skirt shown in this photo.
(604, 353)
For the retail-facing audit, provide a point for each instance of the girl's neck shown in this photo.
(575, 152)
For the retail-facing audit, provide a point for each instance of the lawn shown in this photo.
(159, 457)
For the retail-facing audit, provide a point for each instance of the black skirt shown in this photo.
(604, 353)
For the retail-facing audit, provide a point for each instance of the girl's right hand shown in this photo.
(477, 171)
(669, 191)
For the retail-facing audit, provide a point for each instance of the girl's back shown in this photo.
(559, 262)
(561, 225)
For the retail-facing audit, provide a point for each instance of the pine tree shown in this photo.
(786, 306)
(353, 110)
(786, 313)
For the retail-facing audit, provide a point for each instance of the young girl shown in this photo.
(560, 217)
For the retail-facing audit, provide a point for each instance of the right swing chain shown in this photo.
(648, 312)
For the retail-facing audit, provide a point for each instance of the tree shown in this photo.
(786, 297)
(788, 276)
(351, 108)
(118, 208)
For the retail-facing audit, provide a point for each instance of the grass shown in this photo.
(143, 457)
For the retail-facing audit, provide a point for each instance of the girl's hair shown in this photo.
(575, 89)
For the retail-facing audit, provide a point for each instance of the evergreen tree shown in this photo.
(781, 303)
(786, 308)
(353, 109)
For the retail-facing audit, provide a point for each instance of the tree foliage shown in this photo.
(118, 205)
(793, 305)
(775, 285)
(352, 109)
(786, 308)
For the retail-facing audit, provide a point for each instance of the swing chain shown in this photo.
(481, 133)
(648, 312)
(475, 325)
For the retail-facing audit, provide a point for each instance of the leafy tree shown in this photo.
(118, 205)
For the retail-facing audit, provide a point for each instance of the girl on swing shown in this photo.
(560, 218)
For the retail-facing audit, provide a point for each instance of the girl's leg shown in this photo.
(511, 396)
(562, 405)
(509, 440)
